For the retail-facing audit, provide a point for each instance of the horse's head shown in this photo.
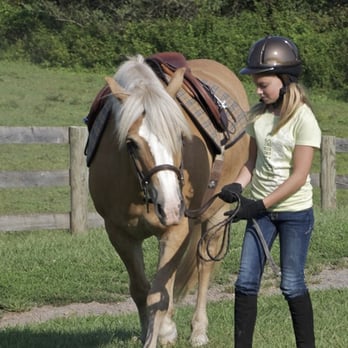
(151, 125)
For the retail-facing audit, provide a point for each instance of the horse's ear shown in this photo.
(116, 89)
(176, 82)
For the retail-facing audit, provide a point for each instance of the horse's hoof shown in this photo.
(199, 340)
(167, 341)
(168, 334)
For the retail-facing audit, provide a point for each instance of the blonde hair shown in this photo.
(294, 97)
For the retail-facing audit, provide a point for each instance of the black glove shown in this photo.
(229, 193)
(248, 209)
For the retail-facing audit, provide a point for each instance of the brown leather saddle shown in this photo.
(167, 63)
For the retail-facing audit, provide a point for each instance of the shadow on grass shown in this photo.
(29, 338)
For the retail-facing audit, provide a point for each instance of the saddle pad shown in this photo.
(236, 117)
(97, 129)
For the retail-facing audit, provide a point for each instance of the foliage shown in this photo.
(98, 34)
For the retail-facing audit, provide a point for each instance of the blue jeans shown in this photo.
(294, 230)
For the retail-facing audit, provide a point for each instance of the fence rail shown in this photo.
(79, 219)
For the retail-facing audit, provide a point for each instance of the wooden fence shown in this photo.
(79, 219)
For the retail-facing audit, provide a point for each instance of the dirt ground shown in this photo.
(328, 278)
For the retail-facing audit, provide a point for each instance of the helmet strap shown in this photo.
(279, 101)
(286, 79)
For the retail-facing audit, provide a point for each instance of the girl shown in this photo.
(283, 135)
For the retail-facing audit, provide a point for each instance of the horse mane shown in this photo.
(149, 97)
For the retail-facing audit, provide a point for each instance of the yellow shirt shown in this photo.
(274, 155)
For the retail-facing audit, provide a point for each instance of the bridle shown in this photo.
(145, 178)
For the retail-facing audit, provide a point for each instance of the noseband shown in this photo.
(144, 179)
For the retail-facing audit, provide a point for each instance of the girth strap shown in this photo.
(209, 196)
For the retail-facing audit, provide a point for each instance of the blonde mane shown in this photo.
(148, 97)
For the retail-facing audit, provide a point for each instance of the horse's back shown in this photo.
(218, 73)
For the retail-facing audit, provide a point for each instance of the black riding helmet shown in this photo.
(274, 54)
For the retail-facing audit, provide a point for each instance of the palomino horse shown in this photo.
(149, 137)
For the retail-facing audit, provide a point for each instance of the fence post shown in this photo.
(328, 172)
(78, 180)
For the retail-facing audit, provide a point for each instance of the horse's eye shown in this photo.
(131, 145)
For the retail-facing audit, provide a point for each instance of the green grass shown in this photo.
(273, 327)
(54, 267)
(16, 157)
(33, 96)
(67, 96)
(33, 200)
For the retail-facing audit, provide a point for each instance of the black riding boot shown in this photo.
(245, 310)
(302, 321)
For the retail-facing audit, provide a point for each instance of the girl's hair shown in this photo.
(294, 97)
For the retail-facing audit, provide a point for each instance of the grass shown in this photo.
(273, 327)
(33, 96)
(16, 157)
(54, 267)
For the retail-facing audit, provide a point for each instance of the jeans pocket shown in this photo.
(308, 221)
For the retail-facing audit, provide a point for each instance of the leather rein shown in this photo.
(226, 224)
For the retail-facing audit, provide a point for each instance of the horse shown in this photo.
(151, 166)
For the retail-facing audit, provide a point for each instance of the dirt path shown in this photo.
(337, 278)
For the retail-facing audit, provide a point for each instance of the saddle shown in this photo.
(167, 63)
(218, 116)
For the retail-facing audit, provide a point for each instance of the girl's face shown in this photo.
(267, 87)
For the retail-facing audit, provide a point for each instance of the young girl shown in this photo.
(283, 135)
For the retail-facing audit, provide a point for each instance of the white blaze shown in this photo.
(168, 195)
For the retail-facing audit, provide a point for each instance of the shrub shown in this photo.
(101, 36)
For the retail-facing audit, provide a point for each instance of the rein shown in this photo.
(196, 213)
(226, 225)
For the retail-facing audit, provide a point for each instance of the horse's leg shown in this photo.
(168, 333)
(131, 253)
(161, 326)
(160, 300)
(199, 322)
